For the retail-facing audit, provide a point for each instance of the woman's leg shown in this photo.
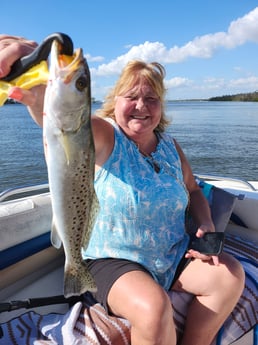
(216, 289)
(138, 298)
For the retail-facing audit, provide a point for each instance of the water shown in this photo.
(217, 137)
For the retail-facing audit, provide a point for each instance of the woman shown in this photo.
(139, 247)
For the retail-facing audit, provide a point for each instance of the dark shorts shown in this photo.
(107, 271)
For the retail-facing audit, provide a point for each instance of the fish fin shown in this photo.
(55, 239)
(78, 280)
(66, 146)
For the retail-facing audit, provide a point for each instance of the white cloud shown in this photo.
(250, 83)
(90, 58)
(218, 86)
(211, 87)
(128, 46)
(240, 31)
(177, 82)
(244, 29)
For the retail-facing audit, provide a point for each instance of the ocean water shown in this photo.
(218, 138)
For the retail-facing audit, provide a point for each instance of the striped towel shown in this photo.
(87, 322)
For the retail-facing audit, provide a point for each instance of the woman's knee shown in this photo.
(157, 317)
(138, 298)
(233, 274)
(156, 307)
(233, 267)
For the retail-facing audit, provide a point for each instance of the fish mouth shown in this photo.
(64, 66)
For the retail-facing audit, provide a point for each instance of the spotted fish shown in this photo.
(70, 156)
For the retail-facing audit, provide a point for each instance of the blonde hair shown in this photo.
(134, 72)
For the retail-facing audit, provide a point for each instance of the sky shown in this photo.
(208, 48)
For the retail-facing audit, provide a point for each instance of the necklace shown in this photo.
(167, 169)
(149, 159)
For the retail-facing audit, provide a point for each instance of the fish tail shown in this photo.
(78, 281)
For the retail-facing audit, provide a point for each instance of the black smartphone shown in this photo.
(210, 244)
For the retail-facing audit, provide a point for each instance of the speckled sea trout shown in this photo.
(69, 150)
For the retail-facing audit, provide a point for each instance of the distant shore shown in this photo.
(240, 97)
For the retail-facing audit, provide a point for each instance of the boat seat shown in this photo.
(250, 235)
(21, 274)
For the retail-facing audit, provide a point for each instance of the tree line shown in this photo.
(241, 97)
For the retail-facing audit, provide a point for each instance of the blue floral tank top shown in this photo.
(142, 212)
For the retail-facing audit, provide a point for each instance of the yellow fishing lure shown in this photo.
(36, 75)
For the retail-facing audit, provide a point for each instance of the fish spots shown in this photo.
(80, 202)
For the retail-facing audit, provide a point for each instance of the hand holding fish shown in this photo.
(24, 70)
(13, 48)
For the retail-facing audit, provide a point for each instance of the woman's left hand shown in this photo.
(197, 255)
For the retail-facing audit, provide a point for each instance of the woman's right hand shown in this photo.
(11, 49)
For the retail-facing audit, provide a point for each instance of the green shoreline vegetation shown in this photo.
(241, 97)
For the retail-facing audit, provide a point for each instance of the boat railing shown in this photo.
(19, 192)
(208, 177)
(23, 191)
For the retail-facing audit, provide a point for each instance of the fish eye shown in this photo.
(81, 83)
